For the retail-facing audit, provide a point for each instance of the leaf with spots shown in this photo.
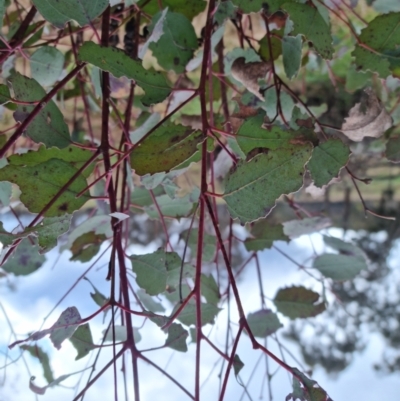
(60, 12)
(310, 23)
(65, 326)
(166, 147)
(48, 126)
(252, 135)
(327, 160)
(25, 259)
(73, 155)
(85, 247)
(178, 37)
(40, 184)
(152, 270)
(120, 64)
(381, 52)
(297, 302)
(263, 235)
(47, 64)
(264, 179)
(188, 8)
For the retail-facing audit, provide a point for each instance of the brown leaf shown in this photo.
(367, 118)
(249, 73)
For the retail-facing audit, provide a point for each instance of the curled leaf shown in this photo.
(248, 74)
(367, 118)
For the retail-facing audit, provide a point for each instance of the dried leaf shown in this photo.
(249, 73)
(367, 118)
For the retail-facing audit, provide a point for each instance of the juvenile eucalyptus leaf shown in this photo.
(209, 289)
(296, 228)
(339, 267)
(166, 147)
(43, 357)
(251, 135)
(41, 183)
(177, 336)
(60, 12)
(152, 270)
(237, 364)
(383, 53)
(4, 94)
(65, 326)
(48, 126)
(85, 247)
(393, 149)
(25, 259)
(264, 179)
(82, 341)
(298, 302)
(178, 37)
(188, 9)
(291, 51)
(46, 65)
(225, 10)
(209, 244)
(173, 208)
(263, 323)
(309, 22)
(73, 155)
(188, 314)
(263, 235)
(345, 248)
(120, 64)
(149, 302)
(327, 160)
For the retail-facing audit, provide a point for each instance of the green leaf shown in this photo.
(209, 289)
(85, 247)
(73, 155)
(174, 276)
(48, 126)
(39, 185)
(152, 270)
(264, 234)
(345, 248)
(46, 65)
(177, 336)
(188, 9)
(43, 358)
(97, 296)
(327, 160)
(253, 6)
(297, 302)
(188, 314)
(291, 51)
(5, 193)
(393, 149)
(25, 259)
(4, 94)
(251, 135)
(120, 64)
(263, 323)
(178, 37)
(141, 196)
(2, 11)
(149, 303)
(166, 147)
(382, 37)
(225, 10)
(357, 79)
(309, 22)
(263, 180)
(296, 228)
(339, 267)
(65, 326)
(209, 244)
(82, 341)
(173, 208)
(276, 46)
(237, 364)
(60, 12)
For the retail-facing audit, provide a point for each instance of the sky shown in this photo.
(30, 299)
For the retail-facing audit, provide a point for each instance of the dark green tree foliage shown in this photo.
(192, 127)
